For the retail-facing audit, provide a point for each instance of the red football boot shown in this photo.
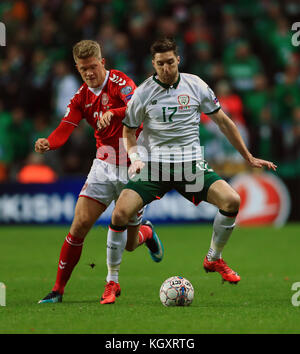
(221, 267)
(112, 290)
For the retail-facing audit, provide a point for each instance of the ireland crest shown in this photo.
(183, 100)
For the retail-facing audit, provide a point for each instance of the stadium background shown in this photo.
(243, 51)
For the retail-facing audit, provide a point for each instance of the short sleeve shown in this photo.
(134, 115)
(209, 102)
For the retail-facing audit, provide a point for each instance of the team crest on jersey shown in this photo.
(184, 100)
(104, 99)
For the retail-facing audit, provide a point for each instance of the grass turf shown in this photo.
(266, 258)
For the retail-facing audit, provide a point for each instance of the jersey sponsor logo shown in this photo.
(183, 100)
(104, 99)
(118, 80)
(265, 199)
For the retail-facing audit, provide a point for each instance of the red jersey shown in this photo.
(90, 104)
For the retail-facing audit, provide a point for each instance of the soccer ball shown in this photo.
(176, 291)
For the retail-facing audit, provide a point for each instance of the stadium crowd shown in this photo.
(243, 50)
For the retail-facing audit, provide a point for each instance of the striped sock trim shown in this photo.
(141, 237)
(226, 213)
(117, 228)
(74, 241)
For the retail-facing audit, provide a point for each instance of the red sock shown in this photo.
(69, 257)
(145, 233)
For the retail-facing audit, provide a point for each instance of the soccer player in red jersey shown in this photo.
(101, 100)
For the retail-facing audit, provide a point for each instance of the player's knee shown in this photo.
(232, 203)
(120, 217)
(81, 225)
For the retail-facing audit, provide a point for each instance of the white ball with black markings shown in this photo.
(176, 291)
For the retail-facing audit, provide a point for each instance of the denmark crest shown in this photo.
(104, 99)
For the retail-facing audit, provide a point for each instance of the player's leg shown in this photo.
(128, 204)
(87, 211)
(221, 194)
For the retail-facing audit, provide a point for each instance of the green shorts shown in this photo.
(156, 179)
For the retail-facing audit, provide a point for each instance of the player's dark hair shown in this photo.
(163, 45)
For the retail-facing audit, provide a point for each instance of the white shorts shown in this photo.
(104, 184)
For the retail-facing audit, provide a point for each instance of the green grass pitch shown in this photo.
(266, 258)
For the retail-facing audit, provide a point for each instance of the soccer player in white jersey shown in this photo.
(169, 105)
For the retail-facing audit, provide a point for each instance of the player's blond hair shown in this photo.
(86, 49)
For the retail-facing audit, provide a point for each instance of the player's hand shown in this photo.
(259, 163)
(104, 120)
(135, 167)
(42, 145)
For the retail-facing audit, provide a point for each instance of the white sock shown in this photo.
(222, 229)
(116, 242)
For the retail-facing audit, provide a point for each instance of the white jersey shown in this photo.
(171, 116)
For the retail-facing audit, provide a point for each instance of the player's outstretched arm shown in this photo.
(230, 130)
(56, 139)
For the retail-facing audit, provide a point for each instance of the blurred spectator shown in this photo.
(264, 136)
(218, 148)
(86, 22)
(79, 151)
(106, 37)
(122, 58)
(140, 37)
(255, 100)
(65, 85)
(293, 152)
(16, 130)
(243, 67)
(39, 83)
(202, 63)
(281, 42)
(36, 171)
(287, 93)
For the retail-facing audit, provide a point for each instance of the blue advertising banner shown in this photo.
(55, 203)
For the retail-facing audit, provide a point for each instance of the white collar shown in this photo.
(97, 90)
